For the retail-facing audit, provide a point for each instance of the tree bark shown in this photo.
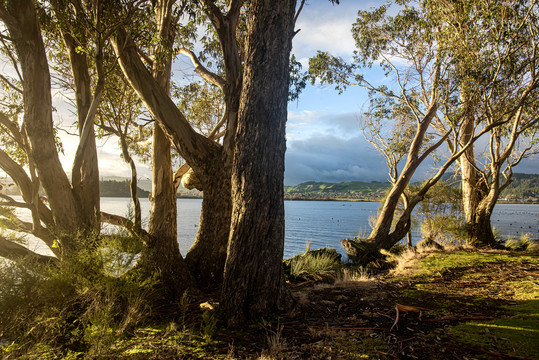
(85, 175)
(206, 257)
(161, 256)
(253, 279)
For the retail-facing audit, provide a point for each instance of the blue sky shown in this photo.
(324, 141)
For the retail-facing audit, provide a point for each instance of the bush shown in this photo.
(321, 264)
(80, 305)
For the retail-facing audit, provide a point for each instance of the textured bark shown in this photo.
(469, 178)
(206, 257)
(85, 178)
(252, 285)
(85, 174)
(480, 229)
(21, 20)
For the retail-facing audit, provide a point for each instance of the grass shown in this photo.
(80, 313)
(514, 299)
(317, 265)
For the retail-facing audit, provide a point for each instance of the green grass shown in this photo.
(439, 262)
(516, 328)
(317, 266)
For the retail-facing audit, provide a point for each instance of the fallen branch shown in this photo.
(348, 328)
(406, 309)
(14, 251)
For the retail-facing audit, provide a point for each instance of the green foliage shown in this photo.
(78, 306)
(442, 218)
(523, 243)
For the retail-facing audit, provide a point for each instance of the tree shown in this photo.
(413, 47)
(253, 273)
(497, 75)
(210, 161)
(71, 209)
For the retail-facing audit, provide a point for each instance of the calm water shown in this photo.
(323, 223)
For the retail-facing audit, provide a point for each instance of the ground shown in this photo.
(480, 306)
(452, 305)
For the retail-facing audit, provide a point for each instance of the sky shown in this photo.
(324, 141)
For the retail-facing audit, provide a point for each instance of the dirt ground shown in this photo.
(357, 320)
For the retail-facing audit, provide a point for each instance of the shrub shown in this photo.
(77, 305)
(315, 265)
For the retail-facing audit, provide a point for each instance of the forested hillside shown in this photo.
(111, 188)
(524, 187)
(345, 190)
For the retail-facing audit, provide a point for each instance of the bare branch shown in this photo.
(11, 85)
(202, 71)
(14, 251)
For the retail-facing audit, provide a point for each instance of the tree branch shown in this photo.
(203, 71)
(15, 252)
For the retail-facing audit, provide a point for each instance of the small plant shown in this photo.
(314, 265)
(524, 243)
(209, 324)
(276, 343)
(353, 275)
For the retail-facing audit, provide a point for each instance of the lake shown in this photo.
(320, 223)
(325, 223)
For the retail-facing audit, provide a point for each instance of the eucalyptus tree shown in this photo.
(122, 115)
(242, 177)
(497, 73)
(413, 48)
(70, 207)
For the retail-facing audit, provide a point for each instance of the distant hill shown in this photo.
(113, 188)
(357, 190)
(524, 187)
(119, 187)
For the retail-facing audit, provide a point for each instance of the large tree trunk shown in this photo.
(469, 179)
(479, 228)
(253, 280)
(206, 257)
(20, 18)
(85, 178)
